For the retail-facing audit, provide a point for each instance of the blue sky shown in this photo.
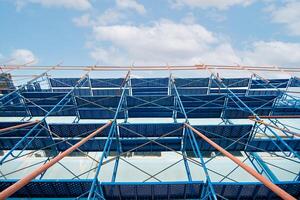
(141, 32)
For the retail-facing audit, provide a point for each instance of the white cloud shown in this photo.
(131, 4)
(161, 43)
(204, 4)
(183, 44)
(289, 15)
(22, 56)
(110, 16)
(70, 4)
(83, 20)
(189, 18)
(108, 55)
(273, 53)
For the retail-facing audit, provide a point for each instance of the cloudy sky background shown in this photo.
(141, 32)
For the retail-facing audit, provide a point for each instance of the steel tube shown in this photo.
(276, 117)
(275, 127)
(19, 126)
(276, 189)
(24, 181)
(126, 68)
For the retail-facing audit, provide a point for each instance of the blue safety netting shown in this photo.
(230, 82)
(107, 83)
(67, 82)
(51, 188)
(272, 83)
(191, 82)
(151, 130)
(149, 82)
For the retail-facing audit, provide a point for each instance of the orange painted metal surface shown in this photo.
(276, 117)
(134, 68)
(276, 189)
(24, 181)
(19, 126)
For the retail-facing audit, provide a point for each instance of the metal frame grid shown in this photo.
(260, 100)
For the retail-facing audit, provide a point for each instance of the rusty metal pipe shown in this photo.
(276, 189)
(25, 180)
(19, 126)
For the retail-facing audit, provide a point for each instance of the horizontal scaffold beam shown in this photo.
(134, 68)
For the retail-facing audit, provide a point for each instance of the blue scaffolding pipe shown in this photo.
(26, 106)
(179, 100)
(43, 120)
(285, 127)
(112, 131)
(254, 114)
(95, 180)
(24, 85)
(197, 152)
(113, 179)
(263, 166)
(270, 84)
(249, 85)
(183, 142)
(209, 85)
(199, 155)
(283, 92)
(184, 155)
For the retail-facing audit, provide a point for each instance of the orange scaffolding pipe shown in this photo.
(270, 125)
(126, 68)
(18, 126)
(276, 117)
(25, 180)
(276, 189)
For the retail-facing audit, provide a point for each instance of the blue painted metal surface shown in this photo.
(256, 145)
(132, 190)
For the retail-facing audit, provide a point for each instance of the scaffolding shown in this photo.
(253, 114)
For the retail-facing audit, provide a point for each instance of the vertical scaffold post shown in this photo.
(208, 191)
(96, 186)
(265, 169)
